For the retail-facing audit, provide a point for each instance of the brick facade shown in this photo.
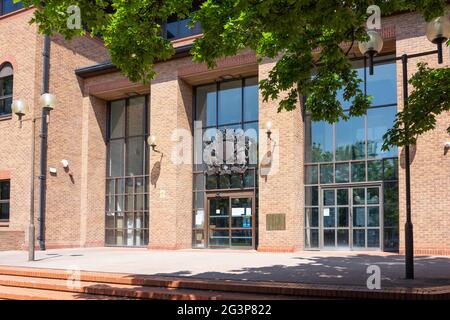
(75, 212)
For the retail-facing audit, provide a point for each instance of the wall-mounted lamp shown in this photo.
(438, 31)
(48, 101)
(65, 163)
(371, 47)
(20, 108)
(151, 140)
(269, 129)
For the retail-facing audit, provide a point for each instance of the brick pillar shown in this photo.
(281, 191)
(171, 183)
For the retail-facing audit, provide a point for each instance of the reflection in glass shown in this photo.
(328, 197)
(373, 195)
(311, 175)
(116, 165)
(326, 173)
(373, 238)
(312, 238)
(342, 197)
(117, 119)
(135, 156)
(358, 171)
(342, 238)
(350, 139)
(374, 170)
(382, 85)
(136, 116)
(241, 238)
(329, 217)
(311, 217)
(206, 105)
(379, 120)
(318, 141)
(359, 196)
(359, 217)
(342, 217)
(329, 238)
(390, 169)
(359, 238)
(230, 102)
(342, 173)
(373, 216)
(311, 196)
(251, 99)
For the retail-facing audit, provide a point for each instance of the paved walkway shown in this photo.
(303, 267)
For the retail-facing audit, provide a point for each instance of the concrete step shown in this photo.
(122, 290)
(161, 287)
(18, 293)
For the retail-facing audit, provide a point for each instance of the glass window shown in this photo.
(116, 160)
(358, 66)
(135, 156)
(329, 218)
(117, 119)
(176, 29)
(390, 169)
(251, 99)
(312, 238)
(350, 139)
(312, 217)
(379, 120)
(358, 171)
(4, 200)
(6, 89)
(319, 141)
(326, 173)
(127, 200)
(230, 102)
(342, 173)
(136, 116)
(312, 196)
(311, 175)
(382, 85)
(374, 170)
(7, 6)
(206, 105)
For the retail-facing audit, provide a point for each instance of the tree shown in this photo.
(290, 30)
(430, 97)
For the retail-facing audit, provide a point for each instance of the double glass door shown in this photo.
(351, 218)
(231, 221)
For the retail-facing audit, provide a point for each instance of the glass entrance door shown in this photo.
(350, 218)
(231, 221)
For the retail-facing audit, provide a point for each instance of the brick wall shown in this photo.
(23, 46)
(77, 132)
(430, 168)
(11, 240)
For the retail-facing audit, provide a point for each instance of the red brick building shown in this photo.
(306, 186)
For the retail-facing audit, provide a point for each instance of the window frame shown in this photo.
(8, 96)
(2, 11)
(8, 201)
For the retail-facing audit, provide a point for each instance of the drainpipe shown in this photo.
(43, 136)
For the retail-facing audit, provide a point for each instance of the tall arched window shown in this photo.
(6, 88)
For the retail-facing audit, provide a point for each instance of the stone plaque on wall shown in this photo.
(275, 221)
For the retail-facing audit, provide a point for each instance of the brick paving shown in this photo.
(319, 268)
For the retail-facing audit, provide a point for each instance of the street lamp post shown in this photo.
(20, 108)
(438, 32)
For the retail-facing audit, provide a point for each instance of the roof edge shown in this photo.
(108, 67)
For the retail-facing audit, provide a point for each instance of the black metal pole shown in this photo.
(439, 47)
(43, 136)
(31, 228)
(409, 239)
